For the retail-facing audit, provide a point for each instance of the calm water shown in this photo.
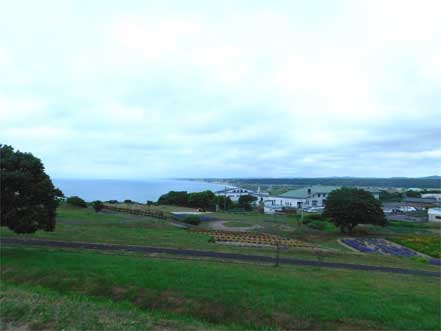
(140, 191)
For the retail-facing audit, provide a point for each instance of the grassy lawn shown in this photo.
(236, 295)
(27, 307)
(78, 224)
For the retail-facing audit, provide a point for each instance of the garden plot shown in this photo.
(254, 239)
(385, 247)
(382, 246)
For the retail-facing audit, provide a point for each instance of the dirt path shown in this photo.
(221, 226)
(197, 253)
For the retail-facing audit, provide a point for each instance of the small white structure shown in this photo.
(235, 193)
(436, 196)
(434, 214)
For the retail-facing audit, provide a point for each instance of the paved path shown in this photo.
(197, 253)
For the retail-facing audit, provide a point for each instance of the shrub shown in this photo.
(193, 220)
(76, 201)
(128, 201)
(150, 203)
(97, 205)
(317, 225)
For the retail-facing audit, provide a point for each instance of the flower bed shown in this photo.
(252, 238)
(390, 248)
(380, 246)
(430, 245)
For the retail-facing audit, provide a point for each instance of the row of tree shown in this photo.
(206, 200)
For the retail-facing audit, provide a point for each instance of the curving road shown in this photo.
(198, 253)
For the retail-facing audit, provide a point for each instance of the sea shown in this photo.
(139, 191)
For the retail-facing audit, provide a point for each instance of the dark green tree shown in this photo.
(205, 200)
(413, 194)
(348, 207)
(98, 205)
(76, 201)
(223, 202)
(245, 201)
(28, 199)
(174, 198)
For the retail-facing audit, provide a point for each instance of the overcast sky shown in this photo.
(145, 89)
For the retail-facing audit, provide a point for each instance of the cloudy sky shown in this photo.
(145, 89)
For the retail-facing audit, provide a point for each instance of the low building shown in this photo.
(235, 193)
(434, 214)
(307, 197)
(436, 196)
(420, 202)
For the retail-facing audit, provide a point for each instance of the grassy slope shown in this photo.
(25, 307)
(77, 224)
(245, 295)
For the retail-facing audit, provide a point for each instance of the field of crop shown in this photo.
(132, 290)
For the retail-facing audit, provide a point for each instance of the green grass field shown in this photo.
(131, 291)
(43, 288)
(84, 225)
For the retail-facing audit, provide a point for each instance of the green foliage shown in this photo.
(97, 205)
(174, 198)
(205, 200)
(390, 197)
(128, 201)
(28, 199)
(76, 201)
(348, 207)
(224, 203)
(413, 194)
(246, 200)
(192, 219)
(150, 203)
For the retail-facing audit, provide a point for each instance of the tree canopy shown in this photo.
(28, 198)
(205, 199)
(246, 200)
(348, 207)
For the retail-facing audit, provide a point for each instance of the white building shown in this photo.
(434, 214)
(307, 197)
(436, 196)
(235, 193)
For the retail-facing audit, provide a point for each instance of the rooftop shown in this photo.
(303, 192)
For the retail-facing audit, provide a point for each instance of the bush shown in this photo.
(77, 202)
(128, 201)
(193, 220)
(97, 205)
(317, 225)
(112, 201)
(150, 203)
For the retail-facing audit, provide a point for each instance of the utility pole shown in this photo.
(277, 253)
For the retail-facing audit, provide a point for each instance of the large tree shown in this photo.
(348, 207)
(245, 201)
(28, 198)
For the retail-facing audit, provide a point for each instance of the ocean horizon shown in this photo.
(135, 190)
